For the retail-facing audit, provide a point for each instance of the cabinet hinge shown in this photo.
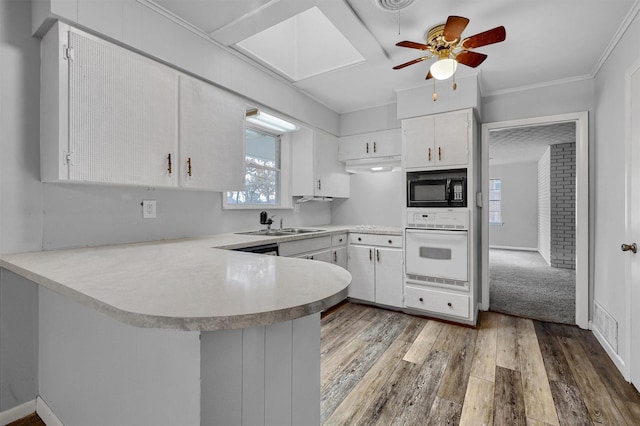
(466, 124)
(68, 158)
(68, 53)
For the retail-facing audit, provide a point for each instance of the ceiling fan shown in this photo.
(445, 43)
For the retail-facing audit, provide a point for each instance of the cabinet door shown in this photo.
(340, 256)
(320, 255)
(211, 137)
(386, 143)
(388, 286)
(452, 138)
(330, 178)
(122, 115)
(361, 266)
(418, 135)
(352, 147)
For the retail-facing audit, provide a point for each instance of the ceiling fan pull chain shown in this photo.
(435, 95)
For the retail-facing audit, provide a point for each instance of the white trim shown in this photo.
(582, 205)
(46, 414)
(635, 67)
(514, 248)
(616, 37)
(17, 412)
(535, 86)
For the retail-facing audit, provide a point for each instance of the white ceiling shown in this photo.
(527, 144)
(547, 40)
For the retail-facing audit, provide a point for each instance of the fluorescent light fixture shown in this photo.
(270, 122)
(443, 68)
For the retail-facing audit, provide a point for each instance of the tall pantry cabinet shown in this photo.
(441, 142)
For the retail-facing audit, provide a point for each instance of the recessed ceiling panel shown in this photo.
(210, 15)
(300, 47)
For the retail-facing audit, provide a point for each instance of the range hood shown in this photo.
(307, 198)
(373, 165)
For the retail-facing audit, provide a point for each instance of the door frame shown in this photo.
(582, 204)
(629, 350)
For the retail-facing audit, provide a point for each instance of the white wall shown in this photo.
(20, 201)
(544, 206)
(376, 199)
(519, 206)
(609, 288)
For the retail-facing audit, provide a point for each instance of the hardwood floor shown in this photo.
(386, 368)
(30, 420)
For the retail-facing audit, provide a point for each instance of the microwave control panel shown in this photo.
(437, 219)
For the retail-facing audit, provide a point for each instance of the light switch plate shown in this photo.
(149, 209)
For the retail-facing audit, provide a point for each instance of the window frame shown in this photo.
(499, 201)
(284, 195)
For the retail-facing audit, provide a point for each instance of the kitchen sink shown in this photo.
(280, 232)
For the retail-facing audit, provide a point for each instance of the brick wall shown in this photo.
(544, 206)
(563, 205)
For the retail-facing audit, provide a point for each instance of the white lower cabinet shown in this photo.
(375, 263)
(315, 248)
(437, 301)
(339, 250)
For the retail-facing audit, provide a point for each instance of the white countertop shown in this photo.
(188, 284)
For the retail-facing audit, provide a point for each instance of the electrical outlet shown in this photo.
(296, 208)
(149, 209)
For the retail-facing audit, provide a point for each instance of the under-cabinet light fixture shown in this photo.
(268, 121)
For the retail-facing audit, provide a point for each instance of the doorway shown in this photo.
(632, 224)
(580, 121)
(532, 221)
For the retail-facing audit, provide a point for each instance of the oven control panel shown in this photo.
(437, 219)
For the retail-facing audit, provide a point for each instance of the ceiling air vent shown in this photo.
(394, 4)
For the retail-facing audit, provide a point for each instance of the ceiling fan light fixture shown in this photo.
(443, 68)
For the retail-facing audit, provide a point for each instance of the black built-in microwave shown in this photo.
(437, 188)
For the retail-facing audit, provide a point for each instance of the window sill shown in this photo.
(255, 207)
(496, 223)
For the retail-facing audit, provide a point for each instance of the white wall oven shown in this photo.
(437, 247)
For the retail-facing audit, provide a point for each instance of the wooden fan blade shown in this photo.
(412, 45)
(406, 64)
(454, 27)
(494, 35)
(470, 59)
(429, 75)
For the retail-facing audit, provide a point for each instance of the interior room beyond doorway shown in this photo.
(532, 217)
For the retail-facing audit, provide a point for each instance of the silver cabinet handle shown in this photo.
(367, 149)
(374, 147)
(629, 247)
(319, 185)
(378, 255)
(370, 254)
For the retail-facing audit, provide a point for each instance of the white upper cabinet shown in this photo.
(438, 140)
(122, 110)
(370, 145)
(211, 137)
(112, 116)
(316, 169)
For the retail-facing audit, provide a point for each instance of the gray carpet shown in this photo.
(523, 284)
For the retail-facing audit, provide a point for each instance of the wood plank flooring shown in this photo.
(30, 420)
(386, 368)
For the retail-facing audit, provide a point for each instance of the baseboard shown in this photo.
(18, 412)
(513, 248)
(619, 362)
(46, 414)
